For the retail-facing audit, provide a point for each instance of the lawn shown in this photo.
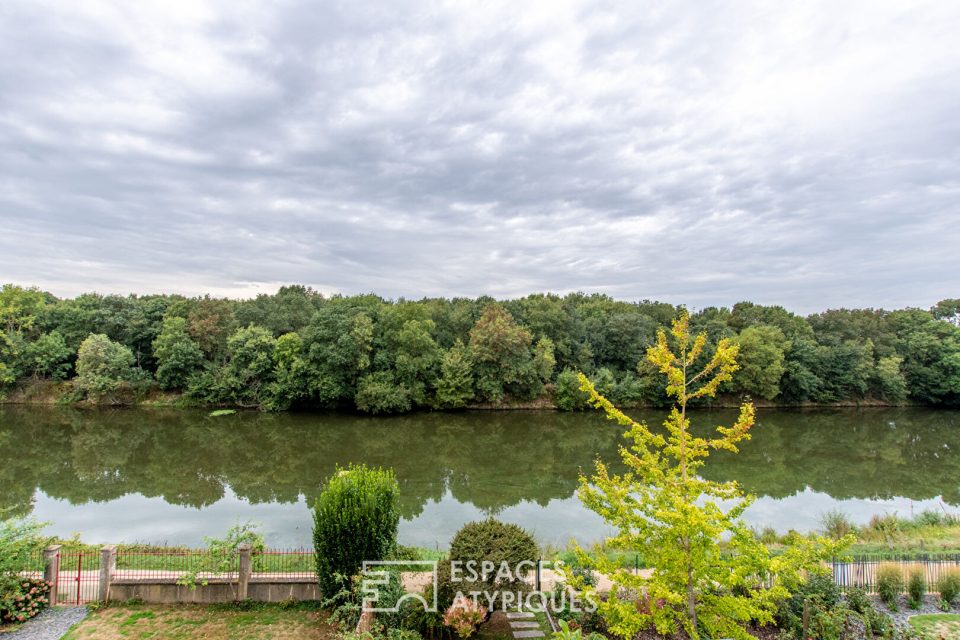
(937, 626)
(213, 622)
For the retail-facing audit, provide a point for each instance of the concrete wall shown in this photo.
(168, 592)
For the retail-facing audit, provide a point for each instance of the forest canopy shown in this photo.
(300, 349)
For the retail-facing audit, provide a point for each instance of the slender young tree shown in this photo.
(706, 563)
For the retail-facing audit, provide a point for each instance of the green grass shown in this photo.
(937, 626)
(241, 621)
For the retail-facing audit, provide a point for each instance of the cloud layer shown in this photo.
(805, 155)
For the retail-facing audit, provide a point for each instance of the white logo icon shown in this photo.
(376, 574)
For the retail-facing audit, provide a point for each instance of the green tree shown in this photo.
(947, 310)
(250, 366)
(338, 349)
(500, 351)
(289, 371)
(178, 356)
(931, 356)
(455, 386)
(417, 359)
(102, 366)
(887, 381)
(48, 356)
(762, 350)
(19, 308)
(380, 392)
(11, 357)
(706, 561)
(567, 395)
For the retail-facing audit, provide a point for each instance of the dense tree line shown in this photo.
(300, 349)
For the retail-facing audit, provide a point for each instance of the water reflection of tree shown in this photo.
(490, 460)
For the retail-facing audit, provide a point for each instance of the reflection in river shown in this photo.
(176, 475)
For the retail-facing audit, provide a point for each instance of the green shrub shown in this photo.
(768, 535)
(496, 542)
(355, 518)
(819, 590)
(889, 584)
(566, 392)
(858, 600)
(836, 524)
(20, 541)
(876, 623)
(886, 527)
(32, 597)
(103, 367)
(916, 587)
(948, 584)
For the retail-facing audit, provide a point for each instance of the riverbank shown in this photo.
(53, 393)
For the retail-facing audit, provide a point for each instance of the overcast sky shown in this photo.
(804, 154)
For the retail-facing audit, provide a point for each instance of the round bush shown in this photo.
(497, 542)
(355, 518)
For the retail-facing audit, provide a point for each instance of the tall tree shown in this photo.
(102, 366)
(500, 349)
(455, 386)
(762, 349)
(178, 356)
(705, 559)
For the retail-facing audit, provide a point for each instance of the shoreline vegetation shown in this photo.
(883, 535)
(300, 350)
(49, 393)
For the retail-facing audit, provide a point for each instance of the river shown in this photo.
(175, 476)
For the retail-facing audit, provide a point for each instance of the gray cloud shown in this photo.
(703, 153)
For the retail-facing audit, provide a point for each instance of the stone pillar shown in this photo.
(246, 568)
(51, 569)
(108, 563)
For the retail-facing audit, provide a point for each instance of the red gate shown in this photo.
(78, 577)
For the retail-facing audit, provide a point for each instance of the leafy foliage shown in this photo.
(497, 542)
(890, 584)
(380, 356)
(916, 587)
(20, 540)
(948, 585)
(707, 564)
(178, 356)
(355, 518)
(102, 366)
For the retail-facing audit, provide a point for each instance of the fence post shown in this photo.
(51, 569)
(246, 567)
(108, 563)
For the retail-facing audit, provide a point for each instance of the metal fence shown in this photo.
(861, 571)
(288, 563)
(173, 564)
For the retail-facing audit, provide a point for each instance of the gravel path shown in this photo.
(51, 624)
(904, 613)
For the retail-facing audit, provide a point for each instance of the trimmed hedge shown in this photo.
(355, 518)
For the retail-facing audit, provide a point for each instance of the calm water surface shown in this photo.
(175, 476)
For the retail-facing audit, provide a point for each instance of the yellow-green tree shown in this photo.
(707, 566)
